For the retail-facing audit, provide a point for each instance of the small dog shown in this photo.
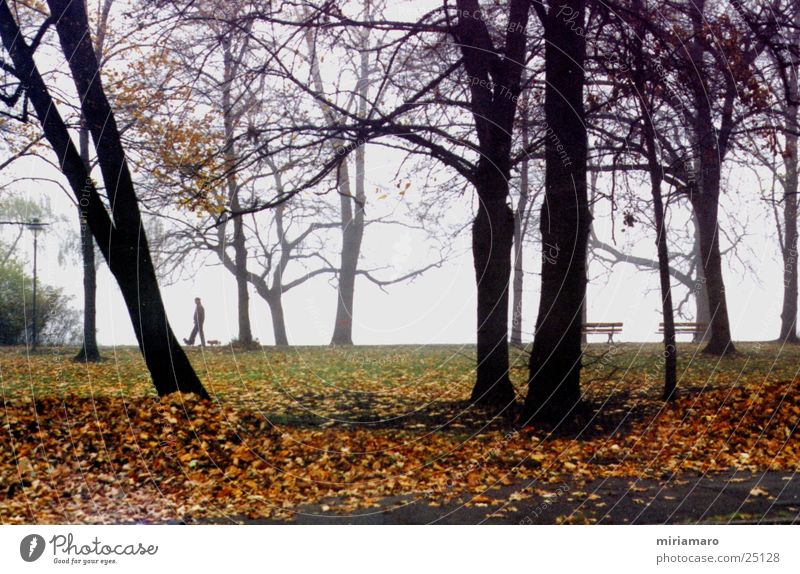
(213, 342)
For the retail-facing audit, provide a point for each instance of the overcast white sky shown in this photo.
(438, 307)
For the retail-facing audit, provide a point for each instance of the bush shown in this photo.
(56, 322)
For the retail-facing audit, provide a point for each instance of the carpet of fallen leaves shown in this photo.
(348, 428)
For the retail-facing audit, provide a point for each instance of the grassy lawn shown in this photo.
(349, 427)
(338, 386)
(369, 368)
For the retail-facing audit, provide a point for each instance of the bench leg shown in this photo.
(610, 338)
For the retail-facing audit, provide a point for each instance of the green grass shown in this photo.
(308, 384)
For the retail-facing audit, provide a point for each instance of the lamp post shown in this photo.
(35, 225)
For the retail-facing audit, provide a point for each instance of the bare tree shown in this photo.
(555, 362)
(89, 351)
(642, 83)
(789, 106)
(487, 70)
(352, 201)
(522, 217)
(120, 237)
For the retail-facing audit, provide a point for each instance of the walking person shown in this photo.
(199, 319)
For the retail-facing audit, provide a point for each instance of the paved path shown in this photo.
(733, 497)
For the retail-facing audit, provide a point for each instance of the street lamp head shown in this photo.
(35, 225)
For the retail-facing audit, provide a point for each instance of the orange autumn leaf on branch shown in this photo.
(180, 150)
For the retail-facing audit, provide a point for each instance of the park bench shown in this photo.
(694, 329)
(609, 329)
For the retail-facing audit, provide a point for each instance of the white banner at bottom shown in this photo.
(389, 549)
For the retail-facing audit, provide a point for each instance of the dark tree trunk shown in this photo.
(123, 242)
(702, 312)
(643, 88)
(705, 198)
(789, 311)
(555, 363)
(670, 350)
(89, 352)
(494, 92)
(492, 237)
(706, 205)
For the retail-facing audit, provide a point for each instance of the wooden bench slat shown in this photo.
(686, 328)
(606, 328)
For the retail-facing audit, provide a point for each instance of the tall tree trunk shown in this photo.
(702, 311)
(274, 298)
(789, 311)
(492, 238)
(242, 286)
(555, 363)
(89, 352)
(670, 350)
(274, 295)
(656, 177)
(239, 242)
(275, 303)
(352, 211)
(494, 90)
(706, 206)
(705, 199)
(352, 215)
(123, 242)
(519, 239)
